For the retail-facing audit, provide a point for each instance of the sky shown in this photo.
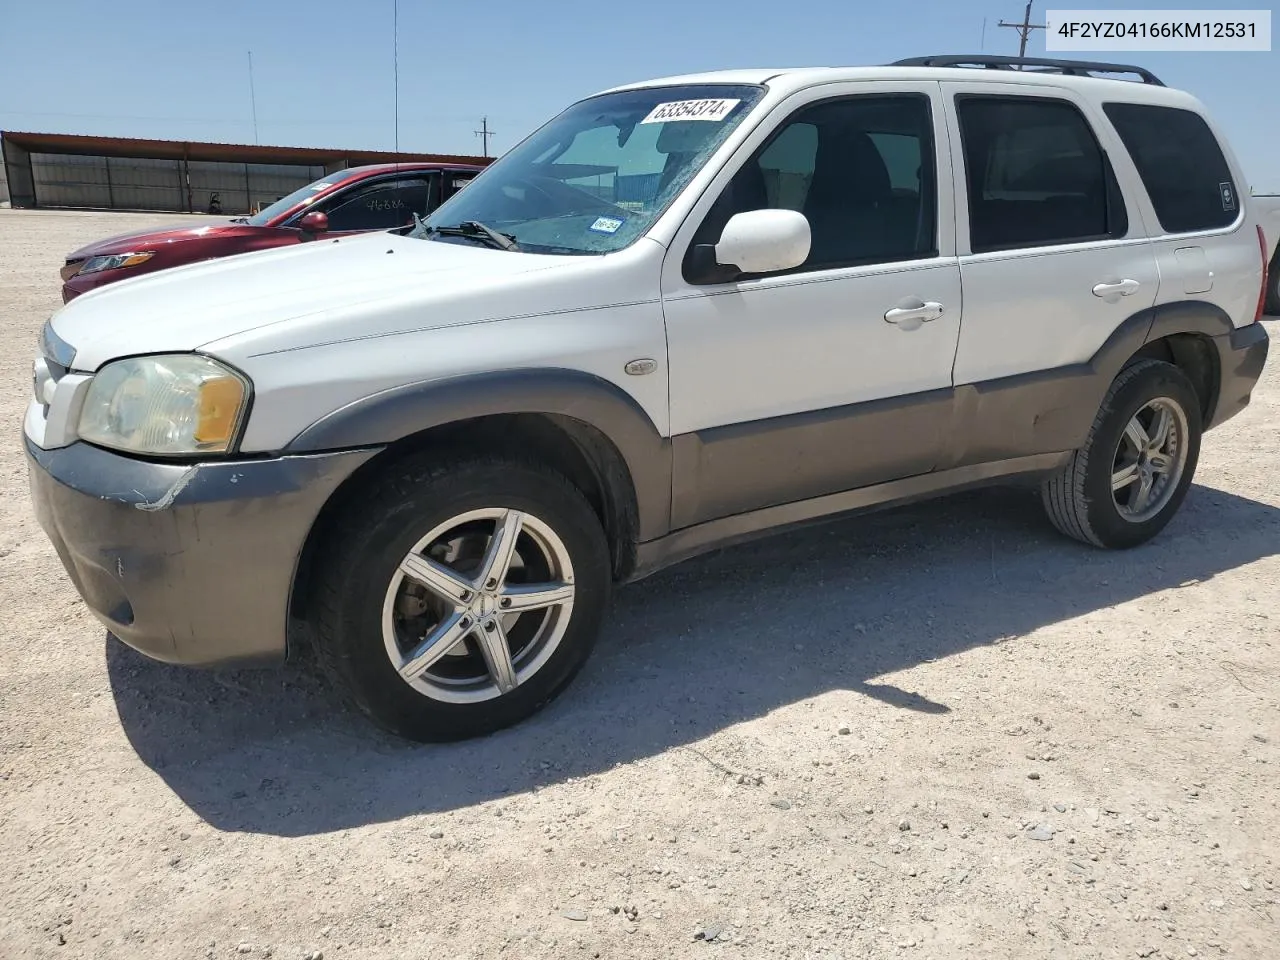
(324, 70)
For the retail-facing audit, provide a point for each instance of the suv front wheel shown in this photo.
(1130, 477)
(458, 597)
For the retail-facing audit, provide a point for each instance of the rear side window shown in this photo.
(1036, 175)
(1180, 163)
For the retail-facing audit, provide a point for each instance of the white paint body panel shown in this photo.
(319, 325)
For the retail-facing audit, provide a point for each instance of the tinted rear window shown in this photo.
(1180, 163)
(1036, 175)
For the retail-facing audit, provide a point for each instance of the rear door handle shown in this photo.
(915, 312)
(1114, 289)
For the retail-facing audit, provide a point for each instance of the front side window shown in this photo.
(860, 170)
(596, 177)
(1036, 175)
(381, 206)
(1181, 165)
(305, 194)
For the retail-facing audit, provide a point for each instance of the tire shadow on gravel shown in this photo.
(713, 642)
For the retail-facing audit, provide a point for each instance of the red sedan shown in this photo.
(356, 200)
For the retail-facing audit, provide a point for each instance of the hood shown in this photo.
(150, 239)
(295, 296)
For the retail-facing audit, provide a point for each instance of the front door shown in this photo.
(382, 204)
(837, 374)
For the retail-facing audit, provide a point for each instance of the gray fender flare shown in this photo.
(392, 415)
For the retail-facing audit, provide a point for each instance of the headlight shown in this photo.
(166, 406)
(115, 261)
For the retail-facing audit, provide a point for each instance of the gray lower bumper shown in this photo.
(188, 563)
(1242, 354)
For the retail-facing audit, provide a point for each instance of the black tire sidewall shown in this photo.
(372, 552)
(1155, 380)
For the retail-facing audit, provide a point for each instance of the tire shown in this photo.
(371, 617)
(1080, 500)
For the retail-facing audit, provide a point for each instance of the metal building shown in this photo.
(117, 173)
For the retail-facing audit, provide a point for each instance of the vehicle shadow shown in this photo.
(711, 643)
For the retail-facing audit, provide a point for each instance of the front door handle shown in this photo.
(1113, 290)
(913, 312)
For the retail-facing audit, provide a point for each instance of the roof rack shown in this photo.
(1073, 68)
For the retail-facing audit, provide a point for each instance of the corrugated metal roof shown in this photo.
(225, 152)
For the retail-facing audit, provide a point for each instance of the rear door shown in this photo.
(1053, 259)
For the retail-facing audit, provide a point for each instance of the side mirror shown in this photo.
(758, 241)
(314, 222)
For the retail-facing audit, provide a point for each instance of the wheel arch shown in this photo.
(586, 428)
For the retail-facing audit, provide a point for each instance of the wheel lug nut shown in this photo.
(490, 584)
(489, 626)
(466, 596)
(506, 601)
(464, 622)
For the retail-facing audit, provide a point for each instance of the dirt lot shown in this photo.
(938, 732)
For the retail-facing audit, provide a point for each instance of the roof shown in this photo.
(787, 80)
(225, 152)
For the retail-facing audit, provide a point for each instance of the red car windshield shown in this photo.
(303, 195)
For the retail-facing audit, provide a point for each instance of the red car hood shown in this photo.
(149, 239)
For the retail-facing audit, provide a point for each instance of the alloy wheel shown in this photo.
(478, 605)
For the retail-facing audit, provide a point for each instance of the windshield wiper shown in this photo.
(475, 230)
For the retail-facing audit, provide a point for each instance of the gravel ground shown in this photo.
(937, 732)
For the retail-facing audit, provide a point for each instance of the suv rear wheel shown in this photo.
(1130, 477)
(459, 597)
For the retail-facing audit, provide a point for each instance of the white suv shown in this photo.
(680, 314)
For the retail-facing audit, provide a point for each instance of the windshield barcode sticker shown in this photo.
(691, 110)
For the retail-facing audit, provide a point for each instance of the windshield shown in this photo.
(301, 195)
(593, 179)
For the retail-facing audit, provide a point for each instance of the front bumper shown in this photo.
(1242, 353)
(187, 563)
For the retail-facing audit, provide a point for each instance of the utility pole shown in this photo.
(395, 62)
(253, 99)
(1024, 29)
(484, 133)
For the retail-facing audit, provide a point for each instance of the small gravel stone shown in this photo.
(574, 913)
(314, 955)
(1060, 807)
(1245, 884)
(1040, 832)
(844, 731)
(436, 834)
(904, 825)
(781, 804)
(1033, 775)
(1260, 738)
(708, 933)
(245, 948)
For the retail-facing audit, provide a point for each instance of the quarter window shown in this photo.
(1181, 165)
(860, 170)
(1035, 175)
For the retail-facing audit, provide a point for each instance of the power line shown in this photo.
(1024, 29)
(484, 133)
